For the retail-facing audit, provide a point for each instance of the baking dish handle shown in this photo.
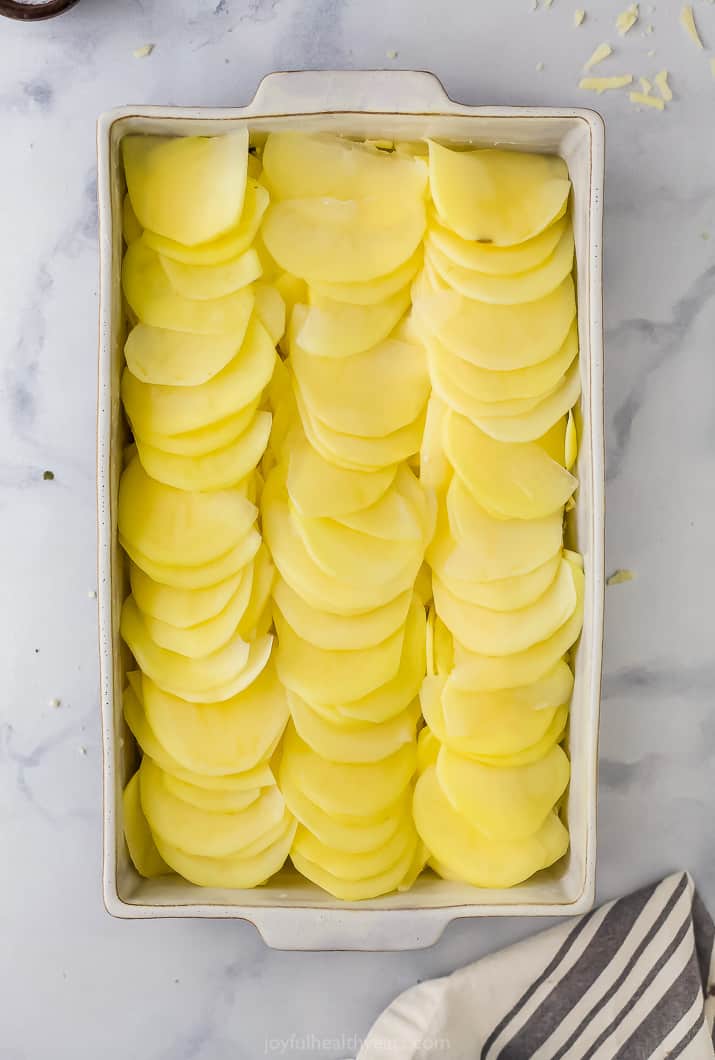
(351, 929)
(373, 91)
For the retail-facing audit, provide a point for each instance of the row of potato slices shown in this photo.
(497, 305)
(345, 517)
(206, 706)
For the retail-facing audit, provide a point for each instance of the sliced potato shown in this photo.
(219, 470)
(504, 594)
(511, 480)
(257, 618)
(175, 410)
(334, 632)
(494, 260)
(317, 487)
(350, 866)
(200, 577)
(531, 425)
(131, 228)
(369, 292)
(142, 849)
(352, 741)
(175, 527)
(202, 283)
(353, 835)
(327, 328)
(203, 440)
(271, 310)
(497, 197)
(427, 750)
(391, 518)
(215, 801)
(190, 188)
(178, 358)
(460, 852)
(184, 607)
(357, 890)
(229, 245)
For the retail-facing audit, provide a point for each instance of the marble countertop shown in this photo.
(75, 983)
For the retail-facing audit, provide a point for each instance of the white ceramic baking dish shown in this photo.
(289, 912)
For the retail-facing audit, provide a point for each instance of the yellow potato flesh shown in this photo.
(319, 488)
(204, 637)
(497, 337)
(197, 831)
(369, 292)
(496, 197)
(489, 632)
(175, 527)
(229, 245)
(253, 624)
(203, 440)
(570, 442)
(352, 741)
(152, 298)
(219, 470)
(503, 802)
(511, 480)
(504, 594)
(199, 577)
(219, 738)
(178, 358)
(202, 283)
(486, 385)
(350, 866)
(340, 632)
(142, 849)
(339, 788)
(531, 425)
(494, 260)
(357, 890)
(393, 517)
(327, 676)
(131, 228)
(296, 165)
(435, 469)
(233, 871)
(353, 835)
(553, 735)
(462, 853)
(343, 241)
(184, 607)
(327, 328)
(459, 399)
(427, 750)
(215, 801)
(175, 410)
(489, 672)
(270, 310)
(508, 290)
(189, 189)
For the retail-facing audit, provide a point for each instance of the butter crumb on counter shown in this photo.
(620, 576)
(578, 16)
(627, 19)
(661, 82)
(687, 21)
(601, 52)
(539, 67)
(141, 53)
(391, 53)
(55, 703)
(648, 101)
(646, 86)
(605, 84)
(650, 28)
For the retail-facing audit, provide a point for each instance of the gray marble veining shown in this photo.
(75, 984)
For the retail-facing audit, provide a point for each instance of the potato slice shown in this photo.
(176, 410)
(175, 527)
(152, 298)
(497, 197)
(493, 260)
(131, 228)
(178, 358)
(486, 385)
(504, 803)
(202, 283)
(339, 788)
(488, 672)
(553, 735)
(219, 470)
(215, 801)
(391, 518)
(343, 241)
(427, 750)
(435, 469)
(142, 849)
(460, 852)
(317, 487)
(327, 328)
(533, 424)
(456, 397)
(371, 394)
(324, 676)
(270, 309)
(334, 632)
(299, 164)
(204, 576)
(204, 637)
(184, 607)
(354, 835)
(510, 480)
(369, 292)
(494, 723)
(357, 890)
(508, 290)
(203, 440)
(224, 737)
(189, 189)
(349, 866)
(497, 337)
(225, 247)
(254, 623)
(504, 594)
(352, 741)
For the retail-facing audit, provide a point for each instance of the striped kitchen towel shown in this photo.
(633, 979)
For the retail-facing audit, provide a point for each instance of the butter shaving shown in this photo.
(661, 81)
(646, 86)
(602, 52)
(141, 53)
(627, 19)
(687, 21)
(620, 576)
(578, 16)
(605, 84)
(647, 101)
